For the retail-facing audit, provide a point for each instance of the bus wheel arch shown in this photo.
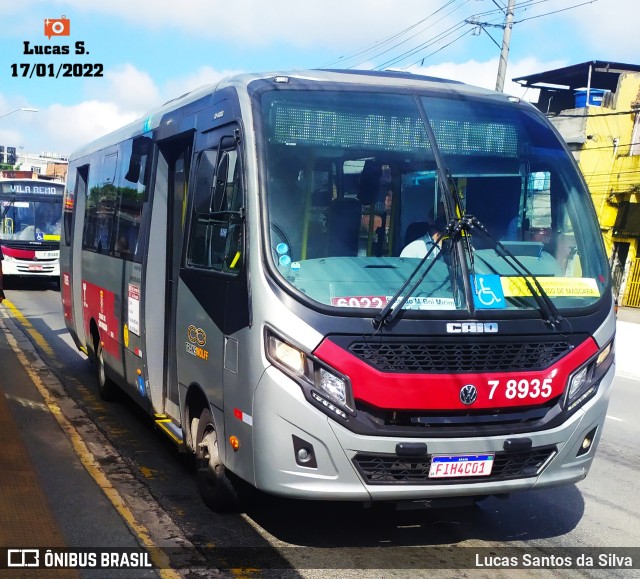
(216, 487)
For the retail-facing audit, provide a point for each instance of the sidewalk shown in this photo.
(627, 339)
(26, 519)
(48, 497)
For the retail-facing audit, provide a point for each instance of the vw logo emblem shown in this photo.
(468, 394)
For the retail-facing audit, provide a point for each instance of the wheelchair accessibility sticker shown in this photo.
(487, 292)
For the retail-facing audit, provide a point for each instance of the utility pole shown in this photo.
(506, 41)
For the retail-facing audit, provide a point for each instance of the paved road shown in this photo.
(160, 490)
(627, 340)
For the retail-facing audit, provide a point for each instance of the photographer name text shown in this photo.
(57, 69)
(528, 560)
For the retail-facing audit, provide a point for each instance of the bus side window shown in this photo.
(201, 228)
(100, 206)
(216, 230)
(131, 196)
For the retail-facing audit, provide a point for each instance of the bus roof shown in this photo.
(391, 78)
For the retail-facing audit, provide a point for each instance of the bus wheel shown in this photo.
(215, 486)
(106, 387)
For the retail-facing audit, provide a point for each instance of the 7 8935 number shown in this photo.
(521, 389)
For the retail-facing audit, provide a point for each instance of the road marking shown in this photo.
(158, 556)
(26, 324)
(614, 418)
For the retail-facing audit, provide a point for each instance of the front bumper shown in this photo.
(282, 415)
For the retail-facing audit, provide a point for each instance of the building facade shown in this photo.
(596, 108)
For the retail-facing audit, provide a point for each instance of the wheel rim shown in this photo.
(102, 377)
(210, 449)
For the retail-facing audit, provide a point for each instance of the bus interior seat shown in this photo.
(344, 216)
(343, 226)
(416, 202)
(494, 201)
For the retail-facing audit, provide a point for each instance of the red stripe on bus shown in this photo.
(405, 391)
(18, 253)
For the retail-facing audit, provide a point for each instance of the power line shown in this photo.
(401, 39)
(555, 11)
(428, 42)
(423, 45)
(439, 49)
(618, 146)
(413, 50)
(571, 115)
(361, 52)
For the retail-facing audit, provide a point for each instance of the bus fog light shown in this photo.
(587, 442)
(304, 455)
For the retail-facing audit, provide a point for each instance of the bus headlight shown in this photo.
(333, 385)
(584, 382)
(290, 357)
(322, 384)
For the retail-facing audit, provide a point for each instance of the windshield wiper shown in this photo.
(546, 307)
(387, 314)
(50, 206)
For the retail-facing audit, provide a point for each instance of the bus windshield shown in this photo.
(30, 213)
(355, 200)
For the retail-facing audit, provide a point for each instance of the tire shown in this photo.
(216, 489)
(106, 387)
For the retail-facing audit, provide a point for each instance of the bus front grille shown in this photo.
(450, 357)
(32, 245)
(390, 469)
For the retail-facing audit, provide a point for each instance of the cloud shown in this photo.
(129, 93)
(17, 125)
(484, 73)
(131, 88)
(202, 76)
(89, 120)
(255, 23)
(609, 27)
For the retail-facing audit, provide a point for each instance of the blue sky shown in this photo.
(154, 50)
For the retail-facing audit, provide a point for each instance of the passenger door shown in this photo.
(159, 298)
(212, 291)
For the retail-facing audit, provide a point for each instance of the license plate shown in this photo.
(35, 268)
(462, 465)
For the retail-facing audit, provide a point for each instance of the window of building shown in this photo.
(635, 136)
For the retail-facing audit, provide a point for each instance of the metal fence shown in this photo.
(631, 296)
